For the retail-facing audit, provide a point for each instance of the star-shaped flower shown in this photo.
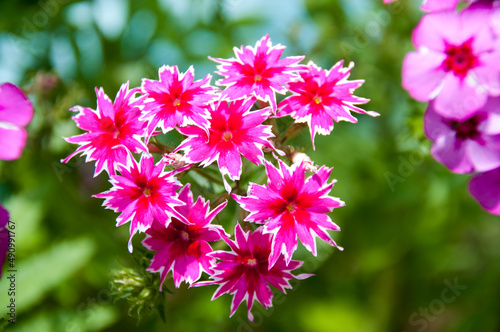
(113, 130)
(291, 208)
(183, 248)
(257, 72)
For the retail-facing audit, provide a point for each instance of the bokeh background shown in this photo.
(420, 254)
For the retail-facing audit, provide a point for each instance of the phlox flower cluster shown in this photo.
(456, 68)
(234, 119)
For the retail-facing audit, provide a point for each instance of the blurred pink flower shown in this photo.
(456, 62)
(244, 271)
(233, 130)
(16, 112)
(183, 248)
(142, 193)
(176, 99)
(322, 95)
(291, 208)
(113, 130)
(485, 188)
(257, 72)
(472, 144)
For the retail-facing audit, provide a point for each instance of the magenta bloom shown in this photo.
(485, 188)
(176, 99)
(456, 62)
(322, 96)
(142, 193)
(233, 130)
(257, 72)
(16, 112)
(472, 144)
(183, 248)
(292, 207)
(113, 130)
(244, 272)
(4, 236)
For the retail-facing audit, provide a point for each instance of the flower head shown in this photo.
(257, 72)
(176, 99)
(183, 248)
(472, 144)
(292, 207)
(233, 130)
(113, 129)
(16, 112)
(244, 271)
(322, 96)
(143, 193)
(485, 188)
(456, 63)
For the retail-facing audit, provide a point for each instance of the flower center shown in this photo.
(460, 59)
(147, 192)
(184, 235)
(317, 99)
(252, 262)
(227, 135)
(467, 129)
(258, 78)
(291, 207)
(177, 102)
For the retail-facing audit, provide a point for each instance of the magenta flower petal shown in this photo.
(244, 272)
(257, 72)
(469, 145)
(183, 248)
(143, 193)
(485, 188)
(176, 99)
(16, 112)
(113, 130)
(323, 96)
(292, 208)
(233, 130)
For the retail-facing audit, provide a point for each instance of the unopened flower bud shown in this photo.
(302, 158)
(174, 159)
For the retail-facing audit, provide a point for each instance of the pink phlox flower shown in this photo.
(472, 144)
(113, 129)
(485, 187)
(257, 72)
(456, 62)
(183, 248)
(233, 130)
(142, 193)
(322, 96)
(292, 207)
(176, 99)
(16, 112)
(244, 272)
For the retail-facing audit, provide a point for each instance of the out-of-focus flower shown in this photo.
(183, 248)
(291, 208)
(485, 188)
(4, 236)
(142, 193)
(176, 99)
(244, 272)
(257, 72)
(16, 112)
(472, 144)
(233, 130)
(113, 130)
(322, 96)
(456, 63)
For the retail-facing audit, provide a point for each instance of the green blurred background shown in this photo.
(420, 254)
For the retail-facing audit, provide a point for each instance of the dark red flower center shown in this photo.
(227, 135)
(184, 235)
(460, 59)
(291, 207)
(147, 192)
(467, 129)
(249, 261)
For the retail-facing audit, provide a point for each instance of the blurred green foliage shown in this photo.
(410, 229)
